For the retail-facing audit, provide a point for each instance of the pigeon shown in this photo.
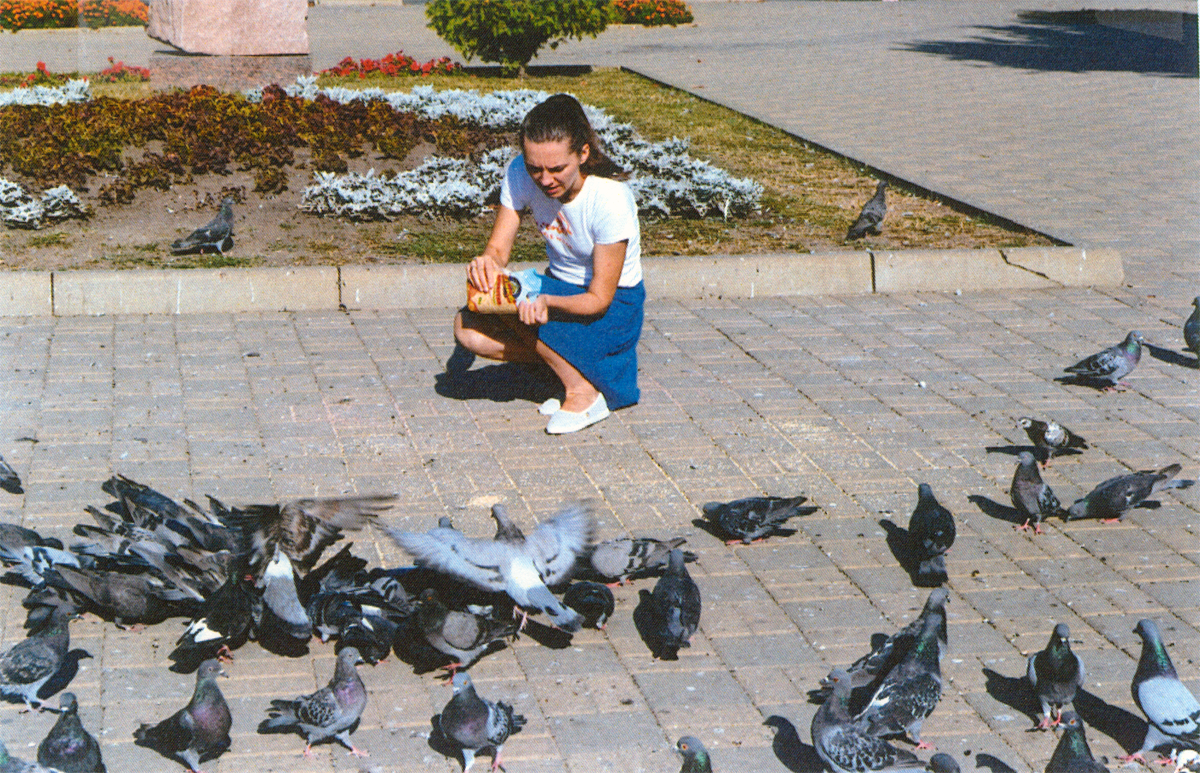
(282, 614)
(1051, 438)
(1055, 674)
(1073, 755)
(1187, 761)
(329, 712)
(1115, 496)
(872, 214)
(123, 597)
(198, 731)
(473, 723)
(1112, 364)
(69, 748)
(217, 234)
(910, 692)
(31, 662)
(942, 763)
(1191, 334)
(520, 566)
(1030, 495)
(9, 764)
(593, 601)
(223, 624)
(675, 608)
(9, 480)
(618, 560)
(1170, 708)
(931, 530)
(844, 744)
(462, 635)
(695, 756)
(752, 519)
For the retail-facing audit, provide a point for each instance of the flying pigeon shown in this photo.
(217, 234)
(282, 614)
(1172, 710)
(617, 560)
(695, 756)
(462, 635)
(844, 744)
(1191, 331)
(871, 217)
(675, 608)
(1055, 674)
(1073, 755)
(518, 565)
(1030, 495)
(31, 662)
(1051, 438)
(931, 530)
(942, 763)
(9, 764)
(329, 712)
(69, 748)
(1115, 496)
(473, 723)
(198, 731)
(910, 691)
(754, 518)
(591, 600)
(1112, 364)
(9, 480)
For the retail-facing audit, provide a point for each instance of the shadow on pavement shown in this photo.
(501, 383)
(1014, 692)
(1124, 727)
(996, 510)
(795, 755)
(994, 764)
(1170, 357)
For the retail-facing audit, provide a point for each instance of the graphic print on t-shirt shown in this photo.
(556, 230)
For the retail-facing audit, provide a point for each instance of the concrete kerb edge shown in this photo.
(314, 288)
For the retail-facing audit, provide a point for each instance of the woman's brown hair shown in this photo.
(561, 117)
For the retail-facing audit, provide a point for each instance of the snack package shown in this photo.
(509, 289)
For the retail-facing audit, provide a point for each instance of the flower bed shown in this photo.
(41, 14)
(651, 13)
(394, 65)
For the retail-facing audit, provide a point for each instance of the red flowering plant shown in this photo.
(118, 72)
(39, 77)
(393, 65)
(651, 13)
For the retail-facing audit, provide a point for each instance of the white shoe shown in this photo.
(564, 422)
(550, 407)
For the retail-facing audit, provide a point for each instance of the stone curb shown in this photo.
(194, 291)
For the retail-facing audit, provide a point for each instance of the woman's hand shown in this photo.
(535, 312)
(482, 272)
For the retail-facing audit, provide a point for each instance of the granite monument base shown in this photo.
(229, 73)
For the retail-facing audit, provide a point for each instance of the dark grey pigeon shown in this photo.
(754, 518)
(125, 598)
(1073, 755)
(223, 624)
(69, 747)
(1191, 330)
(931, 530)
(1034, 500)
(871, 217)
(1055, 674)
(675, 608)
(10, 764)
(593, 601)
(695, 756)
(198, 731)
(1112, 364)
(217, 234)
(31, 662)
(1170, 708)
(617, 560)
(329, 712)
(942, 763)
(464, 636)
(473, 723)
(1051, 438)
(1116, 496)
(9, 480)
(910, 692)
(844, 744)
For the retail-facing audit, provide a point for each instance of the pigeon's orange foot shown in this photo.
(359, 752)
(1110, 520)
(308, 752)
(1135, 757)
(925, 745)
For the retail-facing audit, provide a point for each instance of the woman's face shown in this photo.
(555, 168)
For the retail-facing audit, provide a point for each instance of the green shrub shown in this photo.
(512, 31)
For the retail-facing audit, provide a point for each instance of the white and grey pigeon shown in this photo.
(1112, 364)
(473, 723)
(31, 662)
(329, 712)
(9, 480)
(10, 764)
(910, 692)
(1034, 500)
(845, 746)
(617, 560)
(931, 531)
(1191, 330)
(520, 566)
(216, 234)
(1055, 674)
(282, 612)
(69, 747)
(1116, 496)
(675, 604)
(871, 217)
(1051, 438)
(1073, 755)
(1170, 708)
(198, 731)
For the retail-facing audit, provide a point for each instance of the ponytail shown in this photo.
(561, 117)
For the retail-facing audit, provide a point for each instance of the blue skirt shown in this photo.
(603, 349)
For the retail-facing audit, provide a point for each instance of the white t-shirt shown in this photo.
(603, 212)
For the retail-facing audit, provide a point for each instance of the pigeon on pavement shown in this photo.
(1051, 438)
(223, 624)
(754, 518)
(217, 234)
(282, 615)
(931, 530)
(125, 598)
(593, 601)
(1170, 708)
(9, 764)
(910, 691)
(69, 748)
(1055, 674)
(872, 214)
(329, 712)
(1116, 496)
(617, 560)
(1191, 330)
(844, 744)
(198, 731)
(9, 480)
(473, 723)
(942, 763)
(675, 607)
(463, 636)
(1112, 364)
(520, 566)
(1030, 495)
(31, 662)
(695, 756)
(1073, 755)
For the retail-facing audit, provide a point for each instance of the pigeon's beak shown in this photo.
(224, 673)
